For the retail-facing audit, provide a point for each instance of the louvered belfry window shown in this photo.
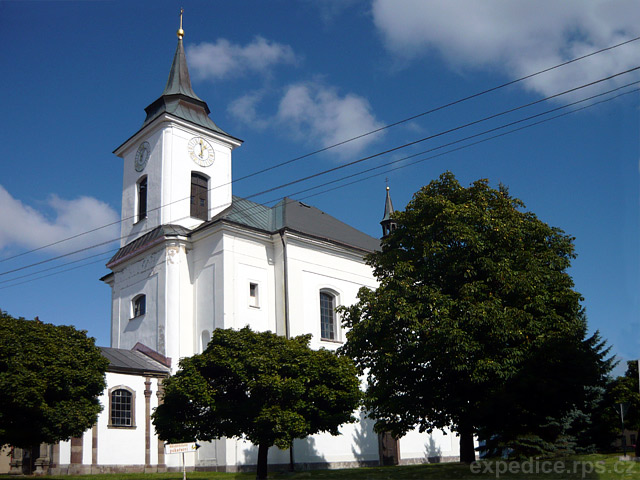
(142, 198)
(199, 196)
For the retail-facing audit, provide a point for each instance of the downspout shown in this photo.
(285, 274)
(287, 332)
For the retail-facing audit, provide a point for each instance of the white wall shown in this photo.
(168, 172)
(119, 445)
(142, 276)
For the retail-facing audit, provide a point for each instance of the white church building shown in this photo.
(194, 258)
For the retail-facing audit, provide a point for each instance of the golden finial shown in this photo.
(180, 30)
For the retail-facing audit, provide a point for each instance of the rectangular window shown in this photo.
(121, 408)
(254, 300)
(199, 196)
(142, 199)
(139, 306)
(327, 316)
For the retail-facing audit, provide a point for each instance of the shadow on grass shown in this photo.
(591, 467)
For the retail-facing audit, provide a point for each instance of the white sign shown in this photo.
(180, 447)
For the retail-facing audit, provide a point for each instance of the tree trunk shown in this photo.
(467, 451)
(263, 450)
(291, 463)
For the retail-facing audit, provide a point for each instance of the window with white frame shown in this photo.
(122, 407)
(254, 295)
(328, 321)
(139, 306)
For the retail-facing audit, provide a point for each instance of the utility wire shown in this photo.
(436, 109)
(399, 122)
(452, 150)
(50, 274)
(376, 174)
(109, 252)
(357, 161)
(439, 134)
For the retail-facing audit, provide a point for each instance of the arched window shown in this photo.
(142, 198)
(139, 305)
(199, 196)
(328, 324)
(121, 407)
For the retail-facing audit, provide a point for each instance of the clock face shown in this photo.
(142, 156)
(201, 151)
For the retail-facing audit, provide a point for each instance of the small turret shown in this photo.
(388, 224)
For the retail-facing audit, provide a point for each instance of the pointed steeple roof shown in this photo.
(179, 81)
(388, 207)
(388, 223)
(178, 97)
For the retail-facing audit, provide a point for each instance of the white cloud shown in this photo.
(25, 227)
(224, 59)
(244, 109)
(319, 113)
(518, 37)
(329, 9)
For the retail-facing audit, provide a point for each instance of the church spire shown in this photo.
(388, 224)
(179, 81)
(178, 97)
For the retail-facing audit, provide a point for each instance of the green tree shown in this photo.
(259, 386)
(50, 379)
(624, 389)
(553, 404)
(470, 286)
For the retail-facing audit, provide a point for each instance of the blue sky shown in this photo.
(290, 78)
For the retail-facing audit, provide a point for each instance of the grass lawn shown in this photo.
(602, 467)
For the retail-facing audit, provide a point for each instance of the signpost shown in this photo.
(622, 410)
(181, 448)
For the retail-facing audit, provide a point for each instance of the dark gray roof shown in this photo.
(149, 239)
(303, 218)
(288, 214)
(388, 207)
(179, 99)
(179, 81)
(132, 361)
(296, 216)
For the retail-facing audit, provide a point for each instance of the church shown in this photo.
(193, 257)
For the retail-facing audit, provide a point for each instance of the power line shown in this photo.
(381, 166)
(51, 274)
(441, 107)
(399, 122)
(452, 150)
(500, 127)
(444, 132)
(110, 252)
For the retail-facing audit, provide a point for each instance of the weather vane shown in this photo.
(180, 30)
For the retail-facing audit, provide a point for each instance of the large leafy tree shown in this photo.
(259, 386)
(471, 287)
(51, 378)
(623, 389)
(554, 403)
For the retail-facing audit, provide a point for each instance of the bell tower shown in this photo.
(177, 167)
